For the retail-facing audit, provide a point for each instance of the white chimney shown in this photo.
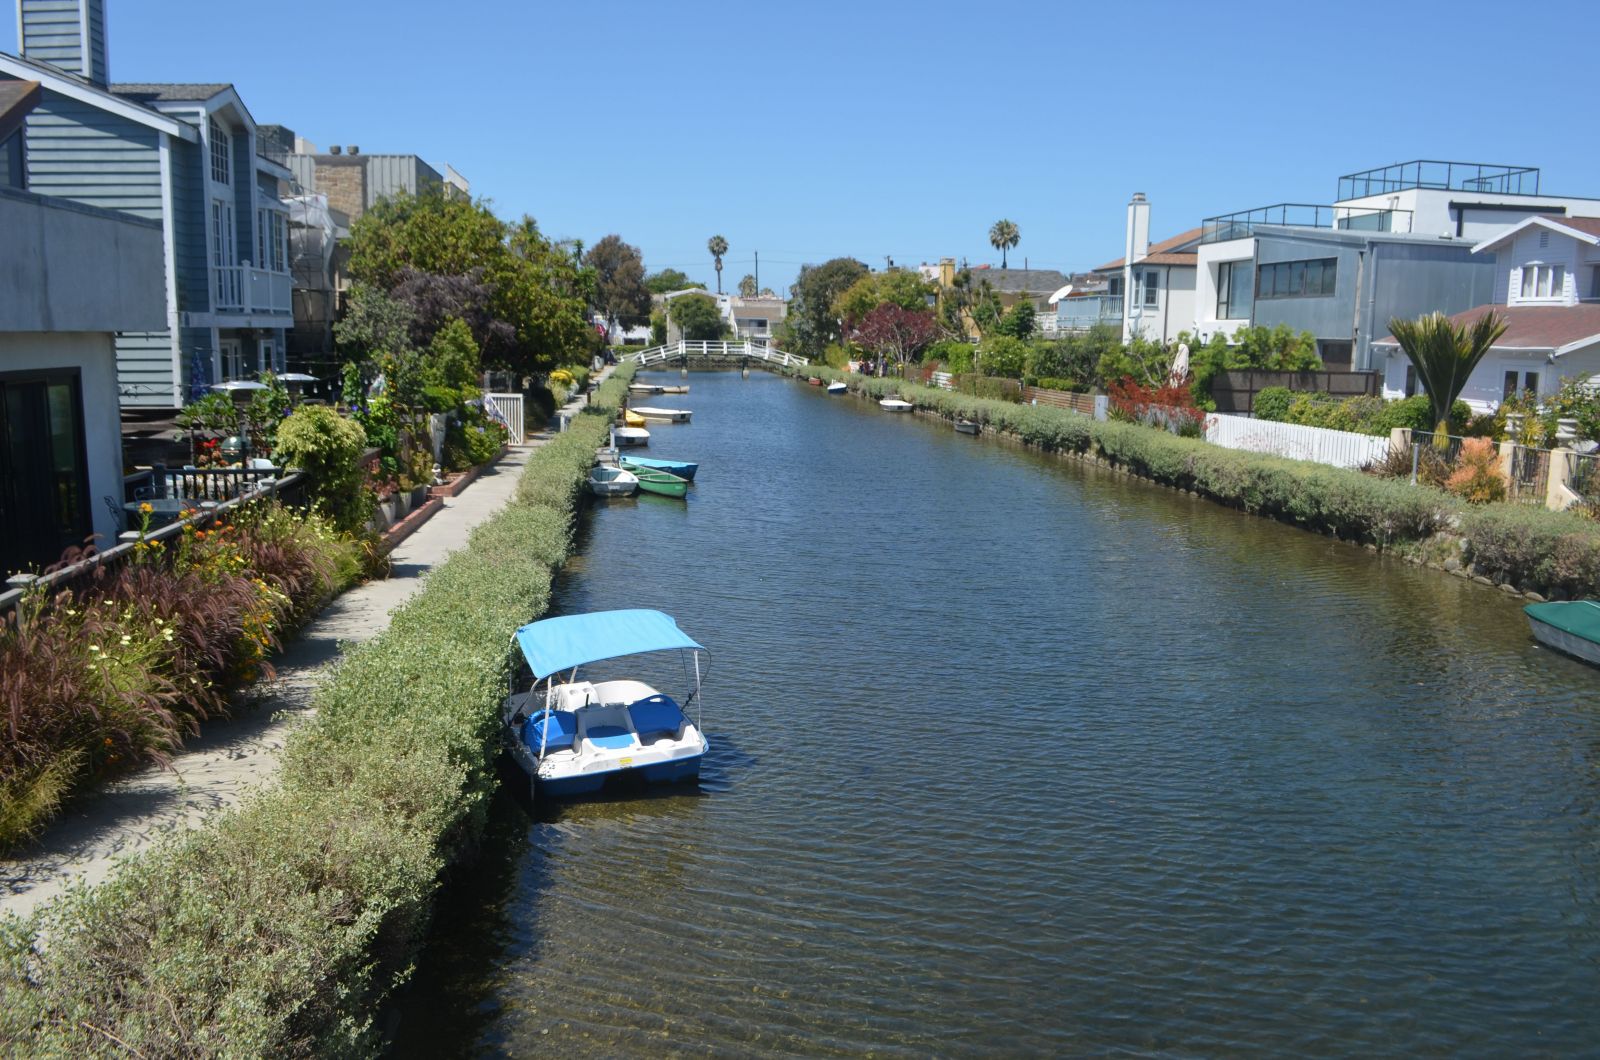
(1138, 244)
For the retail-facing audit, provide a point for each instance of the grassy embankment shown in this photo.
(1553, 554)
(280, 927)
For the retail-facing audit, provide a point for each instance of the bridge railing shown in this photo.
(683, 350)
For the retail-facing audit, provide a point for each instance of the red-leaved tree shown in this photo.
(894, 333)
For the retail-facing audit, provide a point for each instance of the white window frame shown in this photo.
(266, 355)
(221, 158)
(1150, 296)
(230, 358)
(1543, 283)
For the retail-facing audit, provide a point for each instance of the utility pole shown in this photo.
(758, 274)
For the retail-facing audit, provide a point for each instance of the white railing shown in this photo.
(506, 410)
(682, 350)
(244, 289)
(1297, 442)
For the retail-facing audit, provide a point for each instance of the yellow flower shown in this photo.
(147, 507)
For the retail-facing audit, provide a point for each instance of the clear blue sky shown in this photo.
(815, 129)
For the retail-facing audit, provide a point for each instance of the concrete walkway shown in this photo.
(230, 758)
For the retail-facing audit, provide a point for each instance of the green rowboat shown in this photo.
(654, 480)
(1572, 626)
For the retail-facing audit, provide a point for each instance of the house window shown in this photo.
(280, 257)
(262, 221)
(1543, 281)
(1298, 279)
(1152, 282)
(45, 504)
(1114, 287)
(1233, 290)
(1529, 380)
(219, 153)
(1411, 380)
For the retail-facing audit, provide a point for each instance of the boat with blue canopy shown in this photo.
(684, 469)
(573, 736)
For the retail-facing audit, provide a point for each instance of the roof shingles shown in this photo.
(1529, 327)
(1166, 252)
(167, 93)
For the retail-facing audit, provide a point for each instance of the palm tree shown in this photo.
(718, 247)
(747, 286)
(1003, 235)
(1444, 355)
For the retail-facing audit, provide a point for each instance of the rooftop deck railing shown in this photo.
(1303, 215)
(1440, 176)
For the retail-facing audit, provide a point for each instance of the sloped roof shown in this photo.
(155, 92)
(1022, 281)
(1586, 225)
(1167, 252)
(1555, 328)
(17, 98)
(56, 80)
(1585, 229)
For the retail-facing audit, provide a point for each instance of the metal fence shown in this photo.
(1530, 475)
(1583, 475)
(1236, 390)
(1297, 442)
(195, 483)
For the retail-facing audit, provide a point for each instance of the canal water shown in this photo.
(1012, 755)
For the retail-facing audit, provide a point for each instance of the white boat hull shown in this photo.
(631, 436)
(894, 405)
(1563, 641)
(837, 388)
(650, 412)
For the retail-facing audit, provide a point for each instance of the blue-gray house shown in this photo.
(184, 155)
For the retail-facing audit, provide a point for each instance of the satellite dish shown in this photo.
(1059, 295)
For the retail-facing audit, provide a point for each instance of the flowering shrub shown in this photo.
(1170, 406)
(115, 671)
(1477, 476)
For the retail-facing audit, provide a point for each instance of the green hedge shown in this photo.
(281, 927)
(1555, 554)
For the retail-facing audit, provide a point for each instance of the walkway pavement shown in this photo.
(232, 757)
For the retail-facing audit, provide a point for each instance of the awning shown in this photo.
(556, 644)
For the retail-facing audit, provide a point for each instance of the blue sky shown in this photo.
(810, 130)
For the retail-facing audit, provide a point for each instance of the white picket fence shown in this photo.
(506, 409)
(1338, 448)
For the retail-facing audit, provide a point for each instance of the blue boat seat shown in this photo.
(657, 715)
(557, 729)
(611, 737)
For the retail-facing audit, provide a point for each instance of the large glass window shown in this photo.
(219, 153)
(1543, 281)
(1233, 290)
(1317, 278)
(1152, 287)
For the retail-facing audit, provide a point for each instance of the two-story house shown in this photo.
(1151, 287)
(1547, 288)
(184, 155)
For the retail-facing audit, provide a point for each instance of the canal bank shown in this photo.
(1015, 755)
(281, 926)
(1521, 549)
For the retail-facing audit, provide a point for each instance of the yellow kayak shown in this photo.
(631, 418)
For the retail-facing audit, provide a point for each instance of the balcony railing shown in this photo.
(1303, 215)
(1440, 176)
(245, 289)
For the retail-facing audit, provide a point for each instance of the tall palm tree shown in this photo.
(718, 247)
(1003, 235)
(1444, 355)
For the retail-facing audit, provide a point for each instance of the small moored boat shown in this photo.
(572, 736)
(814, 381)
(894, 405)
(662, 483)
(837, 387)
(682, 468)
(629, 436)
(651, 412)
(632, 419)
(612, 482)
(966, 426)
(684, 389)
(646, 388)
(1571, 626)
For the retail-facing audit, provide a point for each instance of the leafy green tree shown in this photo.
(1003, 236)
(1146, 362)
(658, 328)
(1003, 355)
(897, 287)
(747, 286)
(1276, 349)
(1018, 321)
(619, 288)
(668, 280)
(452, 359)
(1444, 355)
(698, 318)
(812, 323)
(718, 247)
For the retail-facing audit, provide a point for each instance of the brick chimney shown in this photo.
(68, 34)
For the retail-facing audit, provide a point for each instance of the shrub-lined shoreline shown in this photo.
(1549, 554)
(281, 927)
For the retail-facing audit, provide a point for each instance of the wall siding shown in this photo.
(144, 369)
(189, 221)
(51, 33)
(77, 151)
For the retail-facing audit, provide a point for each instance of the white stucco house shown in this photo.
(1547, 284)
(1150, 289)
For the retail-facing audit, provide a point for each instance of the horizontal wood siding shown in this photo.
(77, 151)
(144, 369)
(52, 33)
(189, 227)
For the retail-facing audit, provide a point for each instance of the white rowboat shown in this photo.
(626, 436)
(894, 405)
(650, 412)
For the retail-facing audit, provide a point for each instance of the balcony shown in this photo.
(1440, 176)
(245, 289)
(1303, 215)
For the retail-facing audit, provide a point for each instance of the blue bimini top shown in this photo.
(556, 644)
